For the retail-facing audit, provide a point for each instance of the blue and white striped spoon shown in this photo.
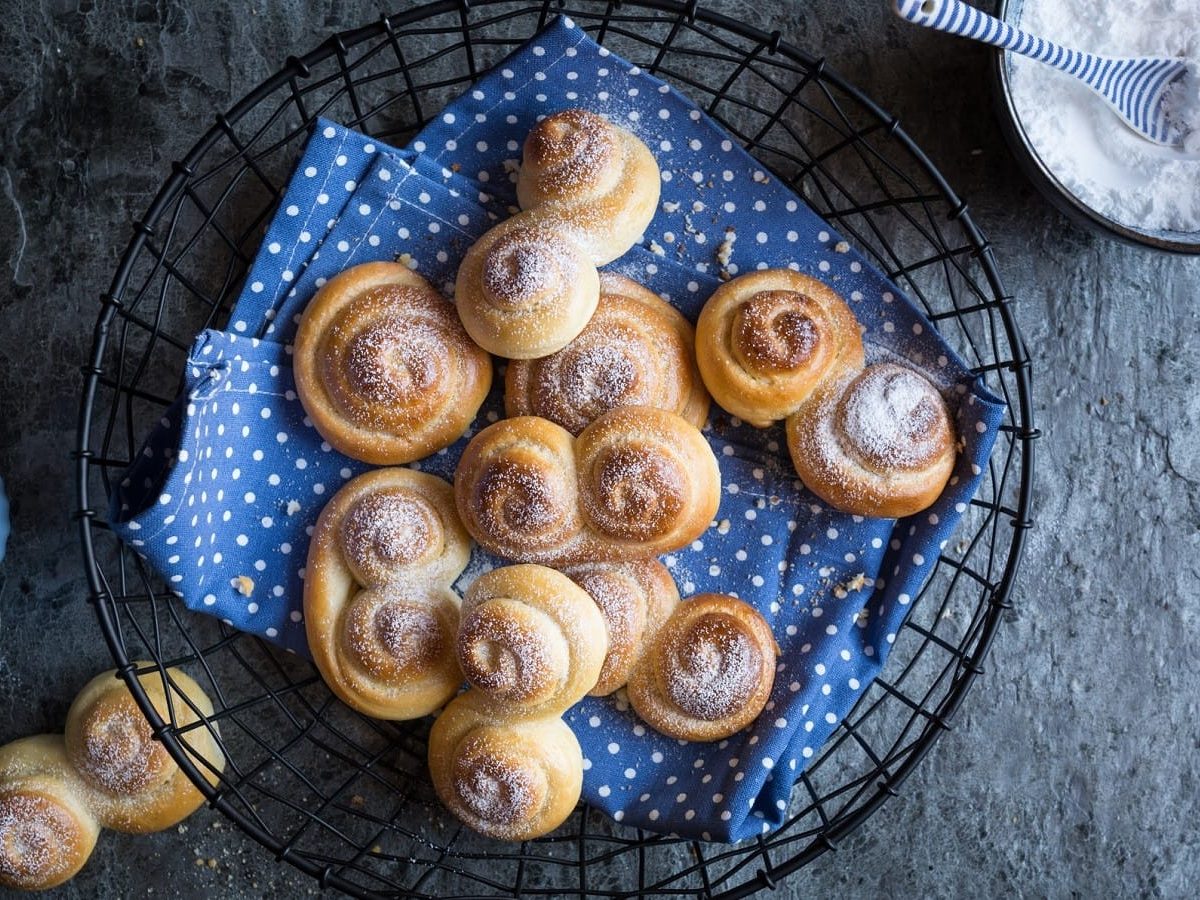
(1136, 88)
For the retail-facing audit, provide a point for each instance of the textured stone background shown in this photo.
(1072, 769)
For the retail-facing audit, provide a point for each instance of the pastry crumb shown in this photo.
(725, 248)
(511, 165)
(841, 247)
(243, 584)
(670, 206)
(857, 582)
(656, 248)
(406, 259)
(293, 506)
(760, 177)
(698, 207)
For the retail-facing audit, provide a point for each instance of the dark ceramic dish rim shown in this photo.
(1050, 187)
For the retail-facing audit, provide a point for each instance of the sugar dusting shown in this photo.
(387, 529)
(394, 359)
(119, 753)
(387, 636)
(569, 149)
(493, 788)
(771, 330)
(508, 659)
(891, 414)
(637, 491)
(711, 668)
(38, 837)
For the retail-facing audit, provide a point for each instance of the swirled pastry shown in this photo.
(879, 443)
(526, 288)
(578, 166)
(708, 672)
(384, 368)
(637, 482)
(507, 779)
(47, 831)
(635, 599)
(379, 611)
(766, 340)
(531, 640)
(135, 785)
(516, 490)
(588, 189)
(648, 482)
(637, 350)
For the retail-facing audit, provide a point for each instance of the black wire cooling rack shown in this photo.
(347, 798)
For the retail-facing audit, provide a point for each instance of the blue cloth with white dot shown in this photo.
(233, 479)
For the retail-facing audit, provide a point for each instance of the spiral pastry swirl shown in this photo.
(136, 785)
(384, 368)
(635, 598)
(648, 481)
(578, 166)
(588, 189)
(528, 640)
(636, 482)
(709, 671)
(637, 350)
(515, 487)
(526, 288)
(380, 615)
(511, 779)
(880, 443)
(765, 342)
(47, 831)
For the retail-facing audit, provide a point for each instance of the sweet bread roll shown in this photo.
(379, 611)
(708, 672)
(879, 443)
(47, 831)
(635, 598)
(384, 368)
(635, 483)
(637, 350)
(136, 786)
(516, 490)
(766, 340)
(526, 288)
(531, 641)
(648, 482)
(509, 779)
(578, 166)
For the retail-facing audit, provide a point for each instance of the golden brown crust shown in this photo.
(637, 350)
(515, 488)
(880, 443)
(135, 785)
(648, 482)
(379, 612)
(766, 340)
(581, 168)
(384, 368)
(531, 640)
(47, 831)
(588, 189)
(709, 671)
(526, 288)
(635, 599)
(508, 779)
(637, 482)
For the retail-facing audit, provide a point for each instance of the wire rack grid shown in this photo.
(346, 798)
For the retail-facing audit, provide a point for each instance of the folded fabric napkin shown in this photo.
(233, 479)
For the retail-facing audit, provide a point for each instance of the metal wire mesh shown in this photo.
(347, 798)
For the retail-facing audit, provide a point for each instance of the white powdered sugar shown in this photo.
(1080, 139)
(712, 675)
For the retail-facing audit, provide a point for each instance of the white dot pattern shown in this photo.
(232, 481)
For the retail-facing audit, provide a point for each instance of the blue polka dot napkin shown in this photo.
(232, 480)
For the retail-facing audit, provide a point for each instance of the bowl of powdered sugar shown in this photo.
(1075, 149)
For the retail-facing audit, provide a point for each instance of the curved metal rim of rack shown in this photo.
(887, 773)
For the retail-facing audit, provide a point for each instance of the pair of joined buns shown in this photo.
(58, 790)
(873, 441)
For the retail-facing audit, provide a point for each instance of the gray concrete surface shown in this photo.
(1073, 767)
